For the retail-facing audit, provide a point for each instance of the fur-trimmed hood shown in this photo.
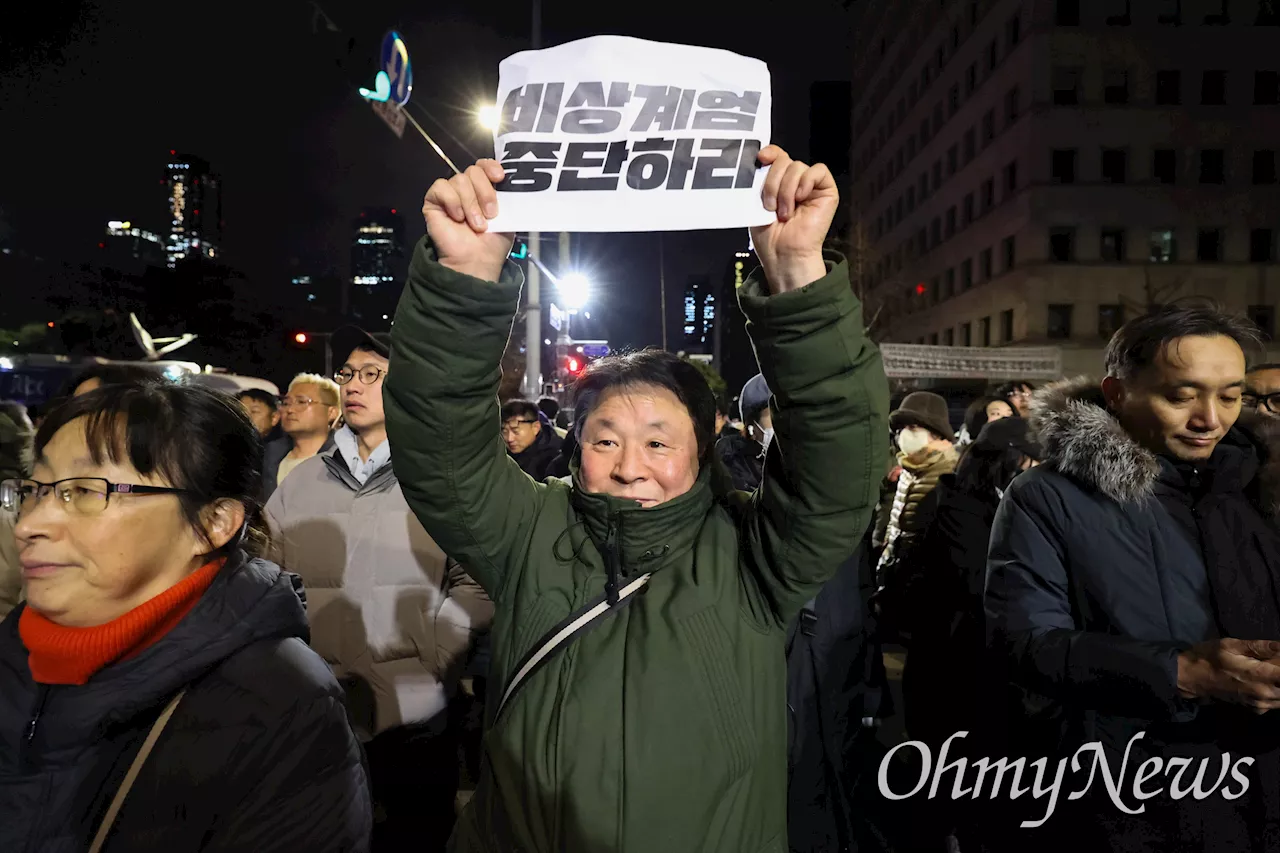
(1085, 441)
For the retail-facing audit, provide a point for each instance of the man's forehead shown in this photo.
(1266, 378)
(361, 359)
(1194, 356)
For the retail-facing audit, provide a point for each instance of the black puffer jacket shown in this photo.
(258, 756)
(1105, 564)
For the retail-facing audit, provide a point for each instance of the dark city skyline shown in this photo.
(106, 93)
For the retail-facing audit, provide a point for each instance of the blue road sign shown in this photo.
(394, 82)
(595, 350)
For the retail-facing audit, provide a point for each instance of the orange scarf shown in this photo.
(58, 654)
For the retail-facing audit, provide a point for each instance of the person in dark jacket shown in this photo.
(137, 539)
(981, 412)
(1132, 589)
(743, 455)
(529, 438)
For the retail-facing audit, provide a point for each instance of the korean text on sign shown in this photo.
(612, 133)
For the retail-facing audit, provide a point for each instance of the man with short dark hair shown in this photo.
(1133, 587)
(533, 447)
(743, 455)
(1262, 389)
(263, 408)
(1018, 395)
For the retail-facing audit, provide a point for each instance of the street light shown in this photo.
(574, 290)
(488, 116)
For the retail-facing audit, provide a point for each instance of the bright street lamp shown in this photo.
(574, 290)
(488, 116)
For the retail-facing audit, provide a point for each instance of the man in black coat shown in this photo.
(1133, 588)
(530, 441)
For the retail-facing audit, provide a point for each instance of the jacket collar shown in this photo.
(936, 458)
(337, 466)
(1086, 442)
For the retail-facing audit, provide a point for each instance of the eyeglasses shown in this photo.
(517, 426)
(300, 402)
(78, 495)
(1022, 395)
(1263, 402)
(368, 375)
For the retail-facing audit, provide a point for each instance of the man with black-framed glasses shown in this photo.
(1262, 389)
(390, 613)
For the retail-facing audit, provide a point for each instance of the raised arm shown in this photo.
(830, 398)
(441, 391)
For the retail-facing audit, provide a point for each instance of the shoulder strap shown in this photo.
(138, 760)
(574, 624)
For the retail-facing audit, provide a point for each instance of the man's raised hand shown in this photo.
(458, 211)
(805, 199)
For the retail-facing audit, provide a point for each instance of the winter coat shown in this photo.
(915, 483)
(536, 459)
(258, 755)
(663, 727)
(1094, 587)
(389, 612)
(744, 459)
(273, 453)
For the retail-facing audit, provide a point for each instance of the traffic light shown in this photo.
(300, 338)
(573, 365)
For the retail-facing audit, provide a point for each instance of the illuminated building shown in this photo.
(699, 314)
(129, 247)
(377, 247)
(195, 209)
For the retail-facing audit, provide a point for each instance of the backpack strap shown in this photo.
(572, 626)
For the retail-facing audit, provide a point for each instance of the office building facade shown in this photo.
(195, 209)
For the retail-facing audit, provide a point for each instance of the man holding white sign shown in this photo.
(638, 668)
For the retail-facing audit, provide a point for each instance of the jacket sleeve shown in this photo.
(830, 407)
(278, 553)
(441, 397)
(465, 614)
(1032, 624)
(10, 570)
(314, 794)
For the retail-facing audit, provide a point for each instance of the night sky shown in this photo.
(95, 94)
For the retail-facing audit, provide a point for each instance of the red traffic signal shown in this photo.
(573, 365)
(301, 337)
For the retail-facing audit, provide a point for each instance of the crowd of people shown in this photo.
(244, 623)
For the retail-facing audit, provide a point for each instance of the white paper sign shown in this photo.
(612, 133)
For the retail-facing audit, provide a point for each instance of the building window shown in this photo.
(948, 337)
(970, 146)
(1264, 166)
(949, 283)
(955, 38)
(1110, 319)
(1261, 246)
(984, 265)
(988, 194)
(1266, 88)
(1059, 321)
(993, 56)
(1170, 12)
(1168, 88)
(953, 100)
(988, 127)
(953, 159)
(1213, 88)
(1115, 165)
(1164, 246)
(1164, 165)
(1011, 106)
(1115, 88)
(966, 334)
(1209, 245)
(1007, 248)
(1012, 31)
(1064, 166)
(968, 210)
(1264, 317)
(984, 328)
(937, 174)
(935, 231)
(966, 274)
(1066, 86)
(911, 199)
(924, 133)
(924, 186)
(951, 221)
(1120, 16)
(1062, 245)
(1113, 249)
(937, 118)
(1006, 326)
(1066, 13)
(1010, 178)
(1212, 166)
(970, 79)
(933, 339)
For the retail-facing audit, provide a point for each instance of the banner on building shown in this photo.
(612, 133)
(917, 361)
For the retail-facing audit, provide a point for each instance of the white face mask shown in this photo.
(913, 439)
(768, 437)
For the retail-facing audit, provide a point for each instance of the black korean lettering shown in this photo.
(605, 156)
(649, 170)
(586, 111)
(726, 111)
(661, 108)
(748, 163)
(528, 176)
(681, 164)
(619, 95)
(550, 108)
(520, 109)
(704, 170)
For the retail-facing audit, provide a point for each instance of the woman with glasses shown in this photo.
(309, 413)
(156, 689)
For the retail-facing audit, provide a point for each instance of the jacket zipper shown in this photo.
(42, 697)
(613, 557)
